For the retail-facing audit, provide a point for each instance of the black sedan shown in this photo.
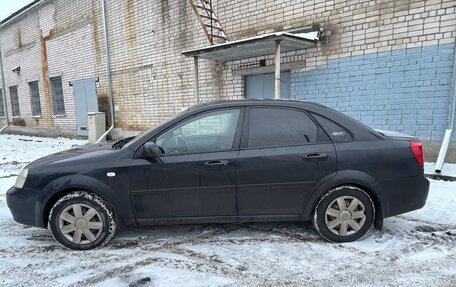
(231, 161)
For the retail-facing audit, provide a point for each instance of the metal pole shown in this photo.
(195, 60)
(447, 138)
(277, 69)
(453, 103)
(108, 68)
(3, 95)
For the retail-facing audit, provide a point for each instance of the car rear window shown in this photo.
(336, 132)
(273, 127)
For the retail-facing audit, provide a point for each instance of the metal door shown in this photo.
(86, 101)
(262, 86)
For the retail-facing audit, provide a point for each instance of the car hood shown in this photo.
(87, 152)
(395, 135)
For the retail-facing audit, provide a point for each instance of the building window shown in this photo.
(58, 104)
(35, 98)
(2, 107)
(15, 101)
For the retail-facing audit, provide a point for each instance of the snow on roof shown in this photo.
(255, 46)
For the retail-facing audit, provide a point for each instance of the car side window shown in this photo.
(336, 132)
(208, 132)
(273, 127)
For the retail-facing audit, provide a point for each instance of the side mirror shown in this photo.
(152, 150)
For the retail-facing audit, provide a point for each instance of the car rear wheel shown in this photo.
(81, 221)
(344, 214)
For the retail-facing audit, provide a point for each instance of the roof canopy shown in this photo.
(255, 46)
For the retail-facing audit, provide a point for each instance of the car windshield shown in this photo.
(121, 143)
(132, 140)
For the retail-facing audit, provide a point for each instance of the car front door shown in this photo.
(284, 155)
(195, 175)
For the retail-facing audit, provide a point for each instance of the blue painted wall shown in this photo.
(403, 90)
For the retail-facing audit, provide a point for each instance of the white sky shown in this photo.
(8, 7)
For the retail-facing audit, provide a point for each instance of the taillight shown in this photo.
(417, 149)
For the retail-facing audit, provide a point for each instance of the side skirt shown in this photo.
(216, 219)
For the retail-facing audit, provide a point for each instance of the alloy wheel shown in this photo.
(345, 215)
(80, 223)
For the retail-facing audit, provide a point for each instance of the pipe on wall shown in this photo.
(108, 68)
(277, 70)
(452, 109)
(2, 74)
(196, 79)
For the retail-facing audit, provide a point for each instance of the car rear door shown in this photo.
(284, 155)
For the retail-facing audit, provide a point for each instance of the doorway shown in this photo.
(262, 86)
(86, 101)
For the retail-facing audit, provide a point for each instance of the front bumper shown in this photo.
(24, 206)
(402, 195)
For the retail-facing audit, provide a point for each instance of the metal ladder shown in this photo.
(208, 20)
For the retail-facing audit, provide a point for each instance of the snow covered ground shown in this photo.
(415, 249)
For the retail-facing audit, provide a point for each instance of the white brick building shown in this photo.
(387, 63)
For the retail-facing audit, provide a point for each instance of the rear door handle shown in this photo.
(315, 156)
(216, 163)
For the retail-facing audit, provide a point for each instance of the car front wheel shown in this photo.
(344, 214)
(81, 221)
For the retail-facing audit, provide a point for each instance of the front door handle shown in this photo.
(216, 163)
(315, 156)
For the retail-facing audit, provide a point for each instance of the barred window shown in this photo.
(15, 101)
(35, 98)
(58, 104)
(2, 107)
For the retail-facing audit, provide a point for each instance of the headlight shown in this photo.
(20, 181)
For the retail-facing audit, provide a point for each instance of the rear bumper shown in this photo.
(24, 206)
(402, 195)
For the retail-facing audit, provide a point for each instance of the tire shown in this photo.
(81, 221)
(344, 214)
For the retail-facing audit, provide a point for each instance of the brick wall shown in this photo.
(387, 63)
(152, 81)
(369, 46)
(51, 40)
(405, 90)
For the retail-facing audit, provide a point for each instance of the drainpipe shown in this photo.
(108, 68)
(196, 79)
(446, 139)
(277, 69)
(3, 93)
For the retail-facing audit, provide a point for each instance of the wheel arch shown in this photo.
(351, 178)
(65, 185)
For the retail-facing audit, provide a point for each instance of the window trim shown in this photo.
(246, 129)
(336, 123)
(237, 134)
(3, 104)
(57, 115)
(18, 103)
(29, 83)
(31, 80)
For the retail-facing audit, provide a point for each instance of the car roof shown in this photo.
(253, 102)
(361, 131)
